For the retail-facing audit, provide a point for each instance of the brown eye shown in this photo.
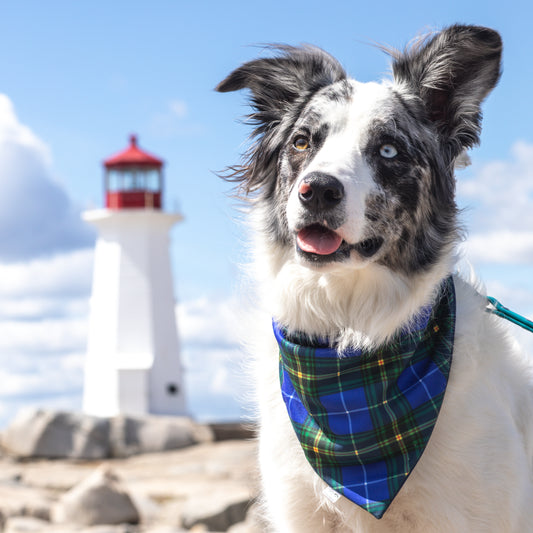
(301, 143)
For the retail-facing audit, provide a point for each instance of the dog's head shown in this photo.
(353, 174)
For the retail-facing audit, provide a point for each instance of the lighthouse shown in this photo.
(133, 363)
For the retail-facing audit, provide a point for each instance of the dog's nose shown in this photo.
(320, 192)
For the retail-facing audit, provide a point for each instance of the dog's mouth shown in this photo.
(322, 243)
(317, 239)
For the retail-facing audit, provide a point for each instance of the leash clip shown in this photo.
(496, 308)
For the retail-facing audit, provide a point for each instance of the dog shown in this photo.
(350, 188)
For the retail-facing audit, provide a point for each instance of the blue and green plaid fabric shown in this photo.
(363, 419)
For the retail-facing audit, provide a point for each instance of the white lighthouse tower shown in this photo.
(133, 357)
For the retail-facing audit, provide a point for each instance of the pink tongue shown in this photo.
(319, 240)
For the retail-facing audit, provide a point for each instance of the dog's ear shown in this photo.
(280, 87)
(453, 71)
(278, 82)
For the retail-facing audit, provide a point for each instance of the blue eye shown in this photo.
(388, 151)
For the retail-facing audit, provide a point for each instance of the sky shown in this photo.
(77, 78)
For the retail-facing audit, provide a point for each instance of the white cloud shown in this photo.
(55, 379)
(208, 321)
(44, 320)
(45, 271)
(11, 131)
(501, 196)
(501, 192)
(37, 217)
(500, 241)
(503, 247)
(68, 273)
(174, 120)
(53, 336)
(51, 287)
(178, 108)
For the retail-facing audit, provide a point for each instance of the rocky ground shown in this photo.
(207, 486)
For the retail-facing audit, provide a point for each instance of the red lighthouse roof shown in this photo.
(133, 156)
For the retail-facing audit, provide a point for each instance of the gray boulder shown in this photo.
(254, 522)
(99, 499)
(39, 433)
(217, 511)
(134, 435)
(57, 434)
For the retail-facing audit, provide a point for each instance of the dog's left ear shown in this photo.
(453, 72)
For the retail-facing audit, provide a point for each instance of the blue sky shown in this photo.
(76, 78)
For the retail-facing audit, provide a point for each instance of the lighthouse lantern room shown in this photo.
(133, 355)
(133, 178)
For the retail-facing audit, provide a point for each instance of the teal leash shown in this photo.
(496, 308)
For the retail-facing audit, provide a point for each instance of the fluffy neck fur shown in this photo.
(359, 308)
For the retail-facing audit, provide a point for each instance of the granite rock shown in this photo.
(99, 499)
(133, 435)
(218, 510)
(57, 434)
(37, 433)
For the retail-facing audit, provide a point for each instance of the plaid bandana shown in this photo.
(363, 419)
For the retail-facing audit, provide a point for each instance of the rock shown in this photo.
(31, 525)
(254, 522)
(233, 431)
(241, 527)
(216, 511)
(17, 499)
(99, 499)
(37, 433)
(121, 528)
(162, 529)
(55, 434)
(21, 524)
(134, 435)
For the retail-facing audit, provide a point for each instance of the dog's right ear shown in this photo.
(280, 87)
(278, 82)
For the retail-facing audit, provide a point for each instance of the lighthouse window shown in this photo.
(128, 180)
(113, 181)
(133, 179)
(152, 180)
(172, 389)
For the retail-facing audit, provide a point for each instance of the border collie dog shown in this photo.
(389, 399)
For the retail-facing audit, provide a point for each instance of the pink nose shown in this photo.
(304, 188)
